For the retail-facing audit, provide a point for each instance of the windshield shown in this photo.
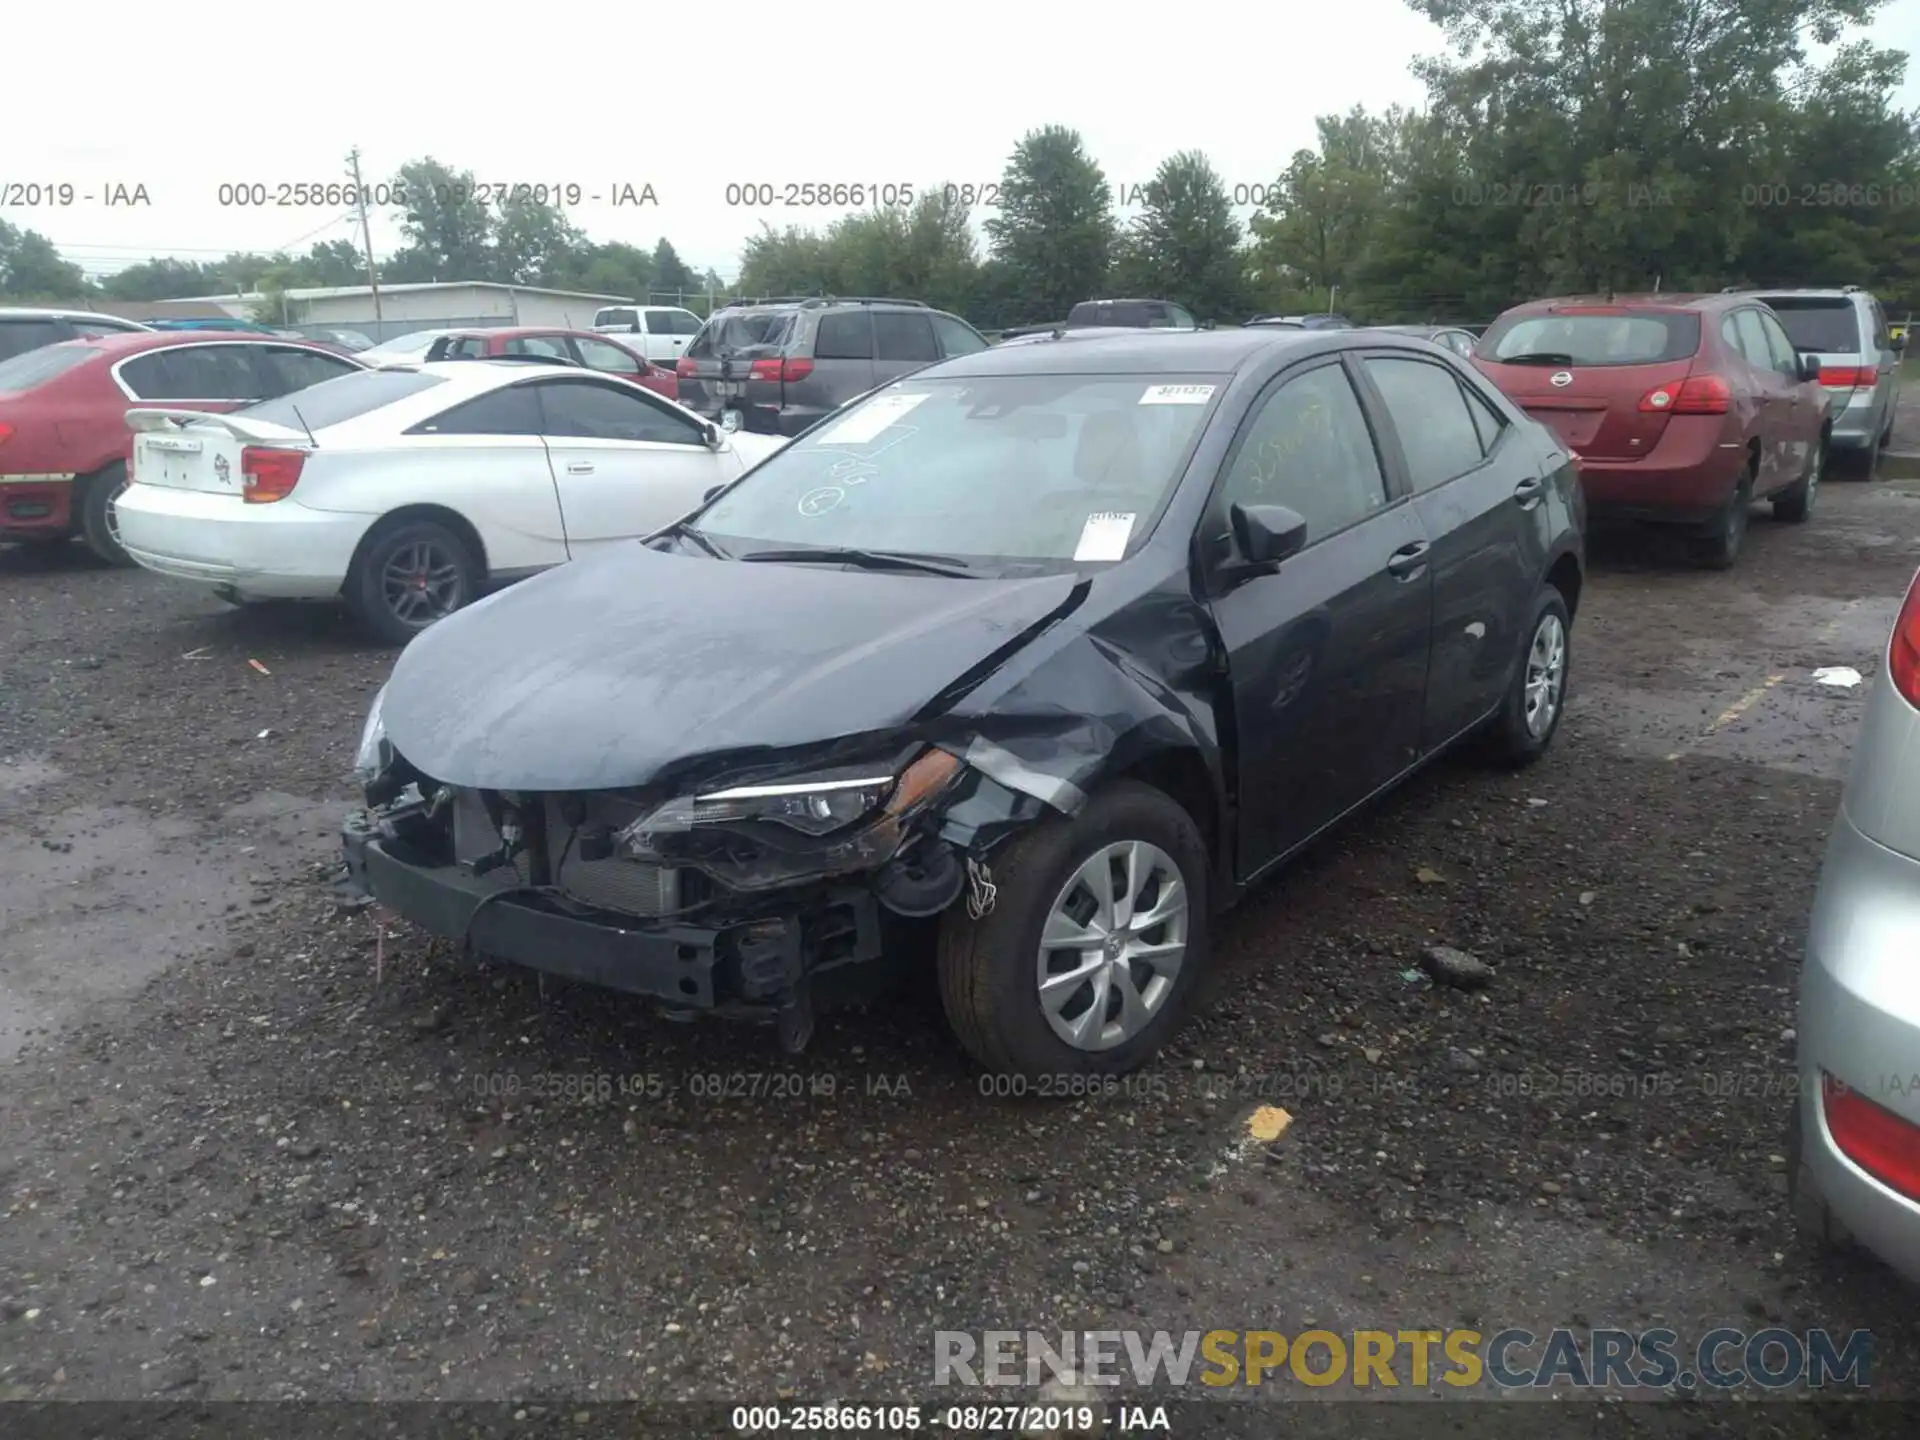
(1618, 337)
(1056, 468)
(1826, 326)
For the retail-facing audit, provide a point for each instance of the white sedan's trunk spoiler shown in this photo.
(159, 419)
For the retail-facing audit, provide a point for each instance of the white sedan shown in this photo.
(409, 492)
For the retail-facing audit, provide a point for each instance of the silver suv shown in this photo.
(1846, 330)
(784, 363)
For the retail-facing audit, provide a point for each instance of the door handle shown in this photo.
(1528, 492)
(1409, 560)
(579, 467)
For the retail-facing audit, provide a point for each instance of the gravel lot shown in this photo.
(247, 1151)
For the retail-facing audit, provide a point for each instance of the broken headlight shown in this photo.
(375, 754)
(815, 806)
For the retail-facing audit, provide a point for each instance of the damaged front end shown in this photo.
(734, 896)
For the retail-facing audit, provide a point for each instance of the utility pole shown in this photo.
(366, 231)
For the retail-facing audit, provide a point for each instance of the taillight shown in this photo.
(6, 432)
(776, 370)
(1873, 1137)
(1696, 395)
(1903, 654)
(1846, 377)
(686, 369)
(267, 475)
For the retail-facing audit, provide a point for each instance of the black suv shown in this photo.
(784, 363)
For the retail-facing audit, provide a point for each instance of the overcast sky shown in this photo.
(199, 95)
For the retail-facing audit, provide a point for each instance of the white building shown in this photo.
(430, 306)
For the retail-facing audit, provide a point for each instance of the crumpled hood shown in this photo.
(601, 673)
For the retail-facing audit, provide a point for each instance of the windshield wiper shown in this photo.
(1537, 357)
(712, 547)
(870, 560)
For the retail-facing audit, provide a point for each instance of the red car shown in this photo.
(1683, 409)
(64, 442)
(582, 347)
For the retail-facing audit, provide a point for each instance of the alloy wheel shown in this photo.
(1113, 944)
(422, 583)
(1546, 674)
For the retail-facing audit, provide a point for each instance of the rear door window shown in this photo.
(844, 335)
(898, 336)
(547, 347)
(195, 372)
(1828, 327)
(1437, 431)
(461, 347)
(19, 336)
(1593, 337)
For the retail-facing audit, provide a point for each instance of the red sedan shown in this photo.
(581, 347)
(64, 442)
(1683, 409)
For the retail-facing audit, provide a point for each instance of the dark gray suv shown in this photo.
(784, 363)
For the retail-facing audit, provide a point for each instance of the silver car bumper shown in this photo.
(1857, 421)
(1860, 1023)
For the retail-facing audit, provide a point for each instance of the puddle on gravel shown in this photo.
(101, 898)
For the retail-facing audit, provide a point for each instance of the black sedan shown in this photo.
(1053, 649)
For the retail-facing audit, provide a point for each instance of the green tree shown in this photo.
(533, 241)
(1185, 246)
(162, 278)
(670, 272)
(1055, 230)
(333, 262)
(31, 268)
(447, 224)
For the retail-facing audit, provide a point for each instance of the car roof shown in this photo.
(1659, 300)
(132, 342)
(1115, 351)
(55, 312)
(1812, 292)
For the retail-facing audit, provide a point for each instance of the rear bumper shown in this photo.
(1859, 1022)
(1857, 421)
(36, 507)
(750, 961)
(1675, 484)
(280, 551)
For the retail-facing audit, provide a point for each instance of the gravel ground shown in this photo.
(253, 1151)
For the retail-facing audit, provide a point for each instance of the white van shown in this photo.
(661, 332)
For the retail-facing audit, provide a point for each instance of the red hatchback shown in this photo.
(580, 347)
(1683, 409)
(64, 442)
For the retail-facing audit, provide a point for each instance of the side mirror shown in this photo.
(1267, 534)
(1809, 366)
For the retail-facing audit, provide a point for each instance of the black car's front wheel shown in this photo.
(1087, 957)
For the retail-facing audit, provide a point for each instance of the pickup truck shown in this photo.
(1120, 314)
(660, 332)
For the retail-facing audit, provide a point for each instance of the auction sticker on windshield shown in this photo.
(1177, 395)
(870, 419)
(1104, 536)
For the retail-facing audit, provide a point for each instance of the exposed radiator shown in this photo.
(628, 886)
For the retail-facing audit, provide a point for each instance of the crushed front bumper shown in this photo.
(745, 961)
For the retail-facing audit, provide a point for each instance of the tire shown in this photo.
(990, 968)
(1514, 738)
(1720, 546)
(377, 598)
(1794, 504)
(95, 505)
